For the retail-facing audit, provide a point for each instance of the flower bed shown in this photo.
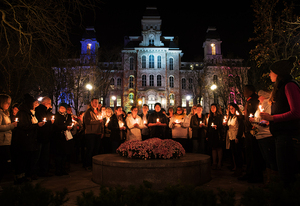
(154, 148)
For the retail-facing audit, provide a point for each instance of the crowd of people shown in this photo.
(260, 134)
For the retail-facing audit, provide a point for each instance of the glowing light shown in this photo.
(114, 98)
(213, 87)
(89, 86)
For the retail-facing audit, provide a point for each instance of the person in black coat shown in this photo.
(62, 145)
(157, 123)
(215, 135)
(42, 112)
(27, 147)
(118, 127)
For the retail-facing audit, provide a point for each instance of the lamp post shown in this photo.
(114, 98)
(188, 97)
(89, 87)
(213, 88)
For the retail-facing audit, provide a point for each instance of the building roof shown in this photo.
(89, 33)
(212, 33)
(151, 12)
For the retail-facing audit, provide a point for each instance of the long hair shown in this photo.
(275, 89)
(237, 109)
(218, 112)
(3, 99)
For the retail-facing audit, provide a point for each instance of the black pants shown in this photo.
(254, 159)
(44, 157)
(236, 149)
(4, 160)
(92, 142)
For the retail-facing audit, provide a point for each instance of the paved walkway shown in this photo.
(79, 180)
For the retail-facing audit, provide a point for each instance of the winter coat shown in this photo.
(5, 129)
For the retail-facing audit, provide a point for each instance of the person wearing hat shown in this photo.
(157, 123)
(62, 143)
(26, 144)
(284, 118)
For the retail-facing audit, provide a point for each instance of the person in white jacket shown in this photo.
(134, 124)
(179, 123)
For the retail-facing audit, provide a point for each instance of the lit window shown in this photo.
(213, 49)
(171, 63)
(130, 96)
(171, 82)
(88, 49)
(151, 61)
(144, 81)
(151, 80)
(143, 61)
(159, 80)
(172, 99)
(159, 62)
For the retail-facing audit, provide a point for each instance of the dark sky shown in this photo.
(188, 20)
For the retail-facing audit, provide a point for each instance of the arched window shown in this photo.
(131, 81)
(143, 61)
(171, 63)
(131, 63)
(151, 80)
(144, 80)
(112, 81)
(171, 82)
(119, 82)
(159, 62)
(158, 80)
(151, 61)
(183, 83)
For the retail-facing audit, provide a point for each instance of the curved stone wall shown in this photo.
(113, 170)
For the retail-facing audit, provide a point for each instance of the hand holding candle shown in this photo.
(17, 120)
(45, 120)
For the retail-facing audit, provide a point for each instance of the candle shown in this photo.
(157, 120)
(44, 120)
(251, 115)
(52, 118)
(212, 124)
(260, 108)
(145, 122)
(108, 119)
(176, 121)
(224, 120)
(237, 113)
(200, 122)
(72, 125)
(122, 124)
(17, 120)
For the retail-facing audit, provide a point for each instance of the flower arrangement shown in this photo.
(153, 148)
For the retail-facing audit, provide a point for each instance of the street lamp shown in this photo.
(213, 88)
(114, 98)
(89, 87)
(188, 97)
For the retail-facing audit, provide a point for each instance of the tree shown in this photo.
(276, 33)
(33, 34)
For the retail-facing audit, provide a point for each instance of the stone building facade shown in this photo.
(151, 70)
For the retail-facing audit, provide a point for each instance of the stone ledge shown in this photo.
(113, 170)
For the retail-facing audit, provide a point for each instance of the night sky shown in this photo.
(188, 21)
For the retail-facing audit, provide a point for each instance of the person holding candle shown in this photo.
(79, 138)
(13, 118)
(43, 113)
(235, 127)
(264, 137)
(118, 127)
(179, 123)
(94, 129)
(254, 170)
(214, 135)
(145, 116)
(284, 118)
(106, 140)
(26, 141)
(157, 123)
(134, 124)
(6, 127)
(62, 145)
(198, 124)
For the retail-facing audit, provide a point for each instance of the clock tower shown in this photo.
(151, 24)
